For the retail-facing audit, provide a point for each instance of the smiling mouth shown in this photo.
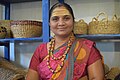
(61, 29)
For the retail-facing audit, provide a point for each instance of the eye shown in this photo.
(66, 18)
(55, 18)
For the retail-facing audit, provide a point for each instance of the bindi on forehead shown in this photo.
(60, 12)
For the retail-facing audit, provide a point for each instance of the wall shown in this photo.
(88, 9)
(82, 9)
(1, 11)
(28, 10)
(1, 47)
(24, 52)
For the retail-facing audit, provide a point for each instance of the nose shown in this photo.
(61, 22)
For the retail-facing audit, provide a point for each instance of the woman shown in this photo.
(65, 57)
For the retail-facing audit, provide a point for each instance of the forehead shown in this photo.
(60, 11)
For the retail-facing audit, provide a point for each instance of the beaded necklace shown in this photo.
(61, 58)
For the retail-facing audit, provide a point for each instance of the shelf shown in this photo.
(4, 2)
(16, 1)
(21, 39)
(91, 37)
(100, 36)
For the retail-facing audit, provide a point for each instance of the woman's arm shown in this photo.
(32, 75)
(96, 71)
(35, 61)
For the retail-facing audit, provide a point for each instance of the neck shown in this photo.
(61, 40)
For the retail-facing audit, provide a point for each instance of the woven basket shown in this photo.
(7, 74)
(3, 32)
(104, 26)
(26, 28)
(6, 24)
(106, 68)
(15, 68)
(114, 71)
(80, 27)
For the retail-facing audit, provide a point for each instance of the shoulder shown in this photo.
(40, 51)
(86, 42)
(41, 46)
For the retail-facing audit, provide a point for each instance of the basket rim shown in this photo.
(25, 22)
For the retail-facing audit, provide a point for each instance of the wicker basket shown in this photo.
(104, 26)
(7, 74)
(80, 27)
(6, 24)
(9, 71)
(26, 28)
(114, 71)
(3, 32)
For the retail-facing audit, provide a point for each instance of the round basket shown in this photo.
(3, 32)
(26, 28)
(6, 24)
(80, 27)
(104, 26)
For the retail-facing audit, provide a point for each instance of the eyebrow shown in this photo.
(63, 15)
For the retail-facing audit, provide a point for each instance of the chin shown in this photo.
(64, 35)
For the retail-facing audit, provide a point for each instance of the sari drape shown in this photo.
(83, 52)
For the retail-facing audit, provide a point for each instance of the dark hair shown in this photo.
(68, 7)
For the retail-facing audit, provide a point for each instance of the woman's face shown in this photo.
(61, 22)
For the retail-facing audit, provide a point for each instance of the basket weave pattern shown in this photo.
(6, 24)
(104, 26)
(80, 27)
(3, 32)
(26, 28)
(7, 74)
(9, 71)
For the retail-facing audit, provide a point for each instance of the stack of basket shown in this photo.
(104, 26)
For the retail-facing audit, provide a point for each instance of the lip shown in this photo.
(61, 28)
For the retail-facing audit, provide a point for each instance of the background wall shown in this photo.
(27, 10)
(1, 11)
(83, 10)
